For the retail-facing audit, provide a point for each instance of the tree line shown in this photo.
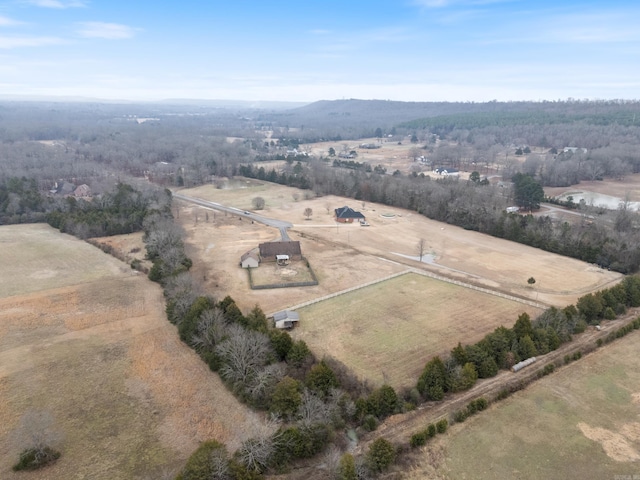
(312, 399)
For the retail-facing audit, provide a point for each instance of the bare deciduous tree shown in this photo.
(421, 248)
(210, 330)
(308, 212)
(243, 353)
(255, 452)
(265, 380)
(258, 203)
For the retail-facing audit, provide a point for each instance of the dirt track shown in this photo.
(399, 428)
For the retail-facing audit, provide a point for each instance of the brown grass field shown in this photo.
(349, 255)
(627, 187)
(581, 422)
(85, 339)
(346, 256)
(388, 331)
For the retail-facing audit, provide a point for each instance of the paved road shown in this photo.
(271, 222)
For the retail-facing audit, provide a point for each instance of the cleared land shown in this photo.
(337, 252)
(628, 187)
(389, 330)
(580, 422)
(128, 398)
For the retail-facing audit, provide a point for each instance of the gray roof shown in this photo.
(269, 249)
(250, 254)
(347, 212)
(286, 315)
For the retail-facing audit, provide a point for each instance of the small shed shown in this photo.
(286, 319)
(250, 260)
(282, 259)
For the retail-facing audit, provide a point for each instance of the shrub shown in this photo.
(431, 430)
(442, 425)
(370, 423)
(321, 378)
(481, 404)
(347, 468)
(35, 458)
(599, 342)
(418, 439)
(381, 455)
(577, 356)
(548, 369)
(504, 393)
(580, 326)
(382, 402)
(209, 459)
(460, 416)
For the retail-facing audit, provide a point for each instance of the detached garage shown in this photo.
(286, 319)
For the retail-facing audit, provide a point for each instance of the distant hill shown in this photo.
(371, 114)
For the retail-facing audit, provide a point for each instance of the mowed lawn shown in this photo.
(581, 422)
(386, 332)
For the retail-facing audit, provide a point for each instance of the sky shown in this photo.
(304, 51)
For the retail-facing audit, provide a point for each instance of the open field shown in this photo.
(361, 329)
(581, 422)
(33, 259)
(389, 330)
(129, 400)
(459, 253)
(628, 187)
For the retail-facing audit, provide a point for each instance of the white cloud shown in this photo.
(111, 31)
(59, 4)
(451, 3)
(8, 22)
(7, 43)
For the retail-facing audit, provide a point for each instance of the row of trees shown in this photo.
(505, 347)
(309, 399)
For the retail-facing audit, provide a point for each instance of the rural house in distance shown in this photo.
(347, 215)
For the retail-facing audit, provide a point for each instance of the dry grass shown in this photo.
(629, 187)
(272, 273)
(129, 399)
(33, 259)
(388, 331)
(347, 255)
(344, 256)
(581, 422)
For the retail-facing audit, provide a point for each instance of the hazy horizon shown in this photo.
(284, 51)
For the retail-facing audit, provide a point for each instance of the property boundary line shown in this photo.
(435, 276)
